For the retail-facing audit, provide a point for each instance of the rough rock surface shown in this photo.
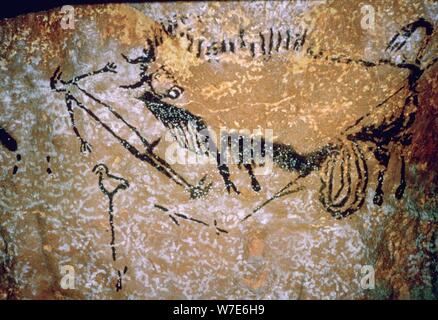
(314, 73)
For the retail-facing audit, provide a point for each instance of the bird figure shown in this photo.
(109, 184)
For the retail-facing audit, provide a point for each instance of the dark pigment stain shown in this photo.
(7, 140)
(15, 168)
(49, 171)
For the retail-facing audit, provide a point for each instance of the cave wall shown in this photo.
(335, 95)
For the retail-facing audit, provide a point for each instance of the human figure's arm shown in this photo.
(59, 85)
(109, 67)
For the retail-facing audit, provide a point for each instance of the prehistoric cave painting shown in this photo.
(10, 144)
(189, 130)
(250, 151)
(348, 153)
(110, 184)
(59, 85)
(287, 158)
(15, 168)
(7, 140)
(341, 162)
(119, 285)
(392, 130)
(48, 170)
(176, 215)
(264, 44)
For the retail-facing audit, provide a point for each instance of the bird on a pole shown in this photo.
(110, 184)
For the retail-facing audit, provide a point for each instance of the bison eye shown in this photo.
(174, 92)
